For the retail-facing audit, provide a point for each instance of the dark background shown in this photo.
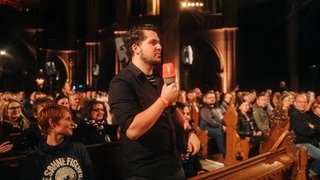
(263, 54)
(262, 46)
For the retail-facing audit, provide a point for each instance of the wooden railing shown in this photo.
(271, 165)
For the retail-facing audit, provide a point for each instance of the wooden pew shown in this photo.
(271, 165)
(236, 148)
(105, 158)
(279, 136)
(202, 134)
(279, 157)
(279, 130)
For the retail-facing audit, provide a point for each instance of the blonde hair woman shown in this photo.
(11, 116)
(12, 127)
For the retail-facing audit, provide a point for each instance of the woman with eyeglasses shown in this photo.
(12, 125)
(93, 127)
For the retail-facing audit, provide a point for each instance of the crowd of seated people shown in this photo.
(20, 133)
(90, 111)
(19, 130)
(254, 118)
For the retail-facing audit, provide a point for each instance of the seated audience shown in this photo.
(93, 127)
(261, 112)
(62, 100)
(224, 103)
(315, 118)
(276, 99)
(75, 106)
(210, 120)
(191, 164)
(247, 127)
(305, 131)
(57, 157)
(12, 124)
(33, 134)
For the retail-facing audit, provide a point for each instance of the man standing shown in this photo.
(140, 102)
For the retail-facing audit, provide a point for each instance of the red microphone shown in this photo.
(168, 73)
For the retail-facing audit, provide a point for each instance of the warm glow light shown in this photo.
(192, 4)
(2, 52)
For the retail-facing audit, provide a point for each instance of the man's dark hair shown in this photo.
(209, 92)
(135, 36)
(43, 101)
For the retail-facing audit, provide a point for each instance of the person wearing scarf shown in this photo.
(93, 127)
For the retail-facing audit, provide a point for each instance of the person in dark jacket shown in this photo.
(305, 131)
(57, 157)
(247, 127)
(210, 119)
(13, 124)
(93, 127)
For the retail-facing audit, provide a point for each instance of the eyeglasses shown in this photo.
(14, 108)
(98, 109)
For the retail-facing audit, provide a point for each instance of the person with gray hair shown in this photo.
(305, 131)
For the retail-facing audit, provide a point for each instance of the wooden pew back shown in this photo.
(271, 165)
(202, 134)
(235, 146)
(279, 157)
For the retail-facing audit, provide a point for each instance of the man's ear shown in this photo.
(135, 48)
(51, 123)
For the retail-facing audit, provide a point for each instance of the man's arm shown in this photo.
(144, 120)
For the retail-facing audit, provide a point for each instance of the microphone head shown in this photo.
(168, 70)
(168, 73)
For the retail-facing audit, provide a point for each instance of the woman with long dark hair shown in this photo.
(247, 127)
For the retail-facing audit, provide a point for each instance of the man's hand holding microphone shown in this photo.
(169, 95)
(170, 88)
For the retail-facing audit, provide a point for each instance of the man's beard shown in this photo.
(151, 62)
